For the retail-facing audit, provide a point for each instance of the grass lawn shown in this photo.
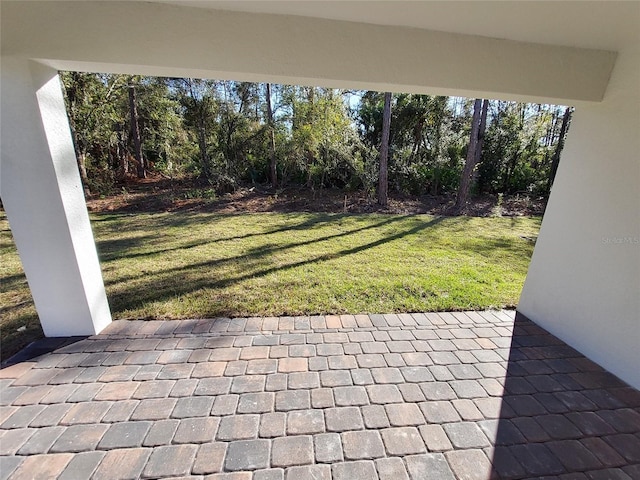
(179, 265)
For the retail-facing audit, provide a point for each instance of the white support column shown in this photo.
(43, 197)
(583, 283)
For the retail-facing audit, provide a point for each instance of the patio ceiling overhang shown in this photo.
(173, 40)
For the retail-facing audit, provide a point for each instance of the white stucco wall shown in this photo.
(583, 283)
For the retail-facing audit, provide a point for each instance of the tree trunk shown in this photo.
(559, 146)
(273, 170)
(511, 168)
(202, 145)
(435, 185)
(81, 158)
(72, 97)
(135, 132)
(470, 163)
(383, 181)
(121, 153)
(481, 131)
(551, 130)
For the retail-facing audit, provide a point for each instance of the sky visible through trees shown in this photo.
(224, 135)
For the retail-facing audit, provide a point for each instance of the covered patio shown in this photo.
(474, 395)
(584, 277)
(469, 395)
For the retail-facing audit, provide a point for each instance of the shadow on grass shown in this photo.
(154, 291)
(17, 333)
(488, 247)
(111, 250)
(257, 253)
(10, 282)
(6, 309)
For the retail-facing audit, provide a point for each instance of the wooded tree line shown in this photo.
(228, 134)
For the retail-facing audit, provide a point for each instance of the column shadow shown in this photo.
(563, 414)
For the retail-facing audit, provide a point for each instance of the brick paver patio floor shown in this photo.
(473, 395)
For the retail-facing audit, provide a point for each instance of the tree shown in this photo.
(199, 107)
(481, 129)
(566, 119)
(273, 171)
(481, 134)
(230, 134)
(75, 95)
(383, 182)
(502, 139)
(422, 143)
(93, 106)
(470, 163)
(135, 131)
(320, 147)
(240, 131)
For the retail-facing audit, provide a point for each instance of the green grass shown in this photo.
(177, 265)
